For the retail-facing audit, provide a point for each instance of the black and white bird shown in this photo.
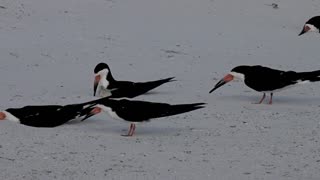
(46, 115)
(106, 86)
(139, 111)
(312, 25)
(267, 80)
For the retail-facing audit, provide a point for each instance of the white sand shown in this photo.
(49, 49)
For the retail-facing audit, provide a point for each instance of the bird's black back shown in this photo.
(39, 116)
(132, 89)
(262, 78)
(47, 115)
(128, 89)
(137, 111)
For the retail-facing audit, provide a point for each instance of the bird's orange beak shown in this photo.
(95, 85)
(2, 115)
(96, 110)
(304, 30)
(223, 81)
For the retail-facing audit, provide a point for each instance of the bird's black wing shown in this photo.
(39, 116)
(262, 78)
(132, 89)
(141, 111)
(33, 110)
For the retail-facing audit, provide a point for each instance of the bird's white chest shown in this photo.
(103, 90)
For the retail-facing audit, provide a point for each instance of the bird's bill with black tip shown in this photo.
(95, 84)
(222, 82)
(2, 116)
(94, 111)
(305, 29)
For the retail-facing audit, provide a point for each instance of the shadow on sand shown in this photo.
(107, 126)
(290, 100)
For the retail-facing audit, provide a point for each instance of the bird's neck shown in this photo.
(312, 28)
(110, 78)
(237, 76)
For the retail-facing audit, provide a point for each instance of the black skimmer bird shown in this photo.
(139, 111)
(267, 80)
(312, 25)
(106, 86)
(45, 116)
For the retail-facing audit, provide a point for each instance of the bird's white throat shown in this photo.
(312, 28)
(237, 76)
(103, 84)
(109, 111)
(11, 117)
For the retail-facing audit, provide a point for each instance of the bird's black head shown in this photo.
(101, 66)
(241, 69)
(314, 21)
(312, 25)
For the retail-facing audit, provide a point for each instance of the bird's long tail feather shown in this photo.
(312, 76)
(182, 108)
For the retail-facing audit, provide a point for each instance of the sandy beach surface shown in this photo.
(48, 52)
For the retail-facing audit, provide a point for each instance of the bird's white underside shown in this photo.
(288, 87)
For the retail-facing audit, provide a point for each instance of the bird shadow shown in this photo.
(142, 129)
(158, 93)
(290, 100)
(298, 100)
(158, 131)
(238, 98)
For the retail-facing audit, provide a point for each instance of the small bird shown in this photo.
(46, 115)
(139, 111)
(312, 25)
(267, 80)
(106, 86)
